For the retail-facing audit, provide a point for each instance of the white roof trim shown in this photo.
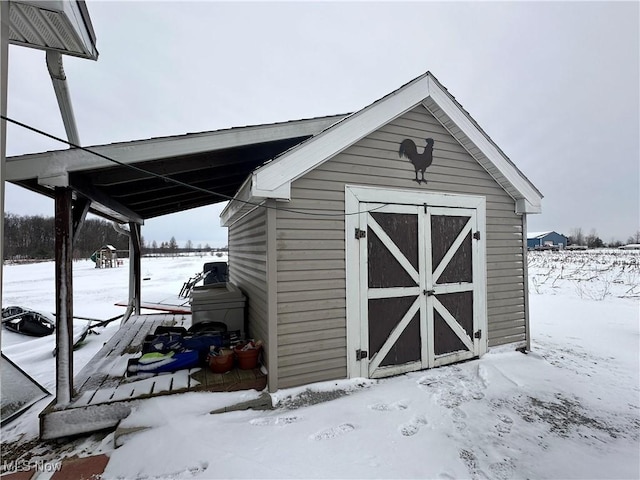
(58, 162)
(448, 105)
(273, 180)
(240, 201)
(308, 155)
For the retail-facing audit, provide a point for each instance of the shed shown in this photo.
(551, 239)
(384, 241)
(392, 241)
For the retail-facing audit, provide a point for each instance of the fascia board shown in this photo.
(247, 195)
(532, 198)
(292, 165)
(283, 192)
(524, 206)
(47, 164)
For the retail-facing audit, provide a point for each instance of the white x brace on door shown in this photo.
(415, 265)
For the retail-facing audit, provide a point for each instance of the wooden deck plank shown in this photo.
(182, 381)
(105, 390)
(108, 367)
(163, 382)
(142, 388)
(84, 398)
(124, 391)
(150, 324)
(103, 395)
(196, 378)
(123, 337)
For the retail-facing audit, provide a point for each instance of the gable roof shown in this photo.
(273, 179)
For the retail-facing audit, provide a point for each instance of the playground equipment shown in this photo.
(106, 257)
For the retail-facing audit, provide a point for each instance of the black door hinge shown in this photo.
(360, 233)
(361, 354)
(476, 235)
(478, 334)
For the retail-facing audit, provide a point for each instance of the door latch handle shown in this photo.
(428, 293)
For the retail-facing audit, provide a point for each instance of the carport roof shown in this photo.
(159, 176)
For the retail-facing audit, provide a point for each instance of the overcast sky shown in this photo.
(555, 85)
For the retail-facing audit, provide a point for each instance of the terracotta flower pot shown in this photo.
(247, 357)
(221, 363)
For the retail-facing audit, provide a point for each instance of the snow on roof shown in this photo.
(538, 234)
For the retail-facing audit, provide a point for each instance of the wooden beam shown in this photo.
(207, 179)
(224, 160)
(4, 75)
(64, 294)
(79, 212)
(135, 255)
(88, 190)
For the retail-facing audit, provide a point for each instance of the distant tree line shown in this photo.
(33, 237)
(171, 247)
(592, 240)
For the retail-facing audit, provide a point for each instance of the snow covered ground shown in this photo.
(568, 409)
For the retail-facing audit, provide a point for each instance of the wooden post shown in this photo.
(79, 215)
(64, 294)
(4, 74)
(135, 255)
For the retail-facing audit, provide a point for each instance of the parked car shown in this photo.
(553, 248)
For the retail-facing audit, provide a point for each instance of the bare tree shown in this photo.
(172, 245)
(635, 238)
(576, 236)
(593, 240)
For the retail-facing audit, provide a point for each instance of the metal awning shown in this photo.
(213, 165)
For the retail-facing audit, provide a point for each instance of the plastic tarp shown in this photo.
(19, 390)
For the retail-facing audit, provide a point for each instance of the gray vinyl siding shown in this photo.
(248, 268)
(311, 249)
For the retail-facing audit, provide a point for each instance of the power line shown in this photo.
(169, 179)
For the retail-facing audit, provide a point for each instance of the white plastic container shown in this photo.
(219, 302)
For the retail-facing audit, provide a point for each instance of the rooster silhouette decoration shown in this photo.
(420, 161)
